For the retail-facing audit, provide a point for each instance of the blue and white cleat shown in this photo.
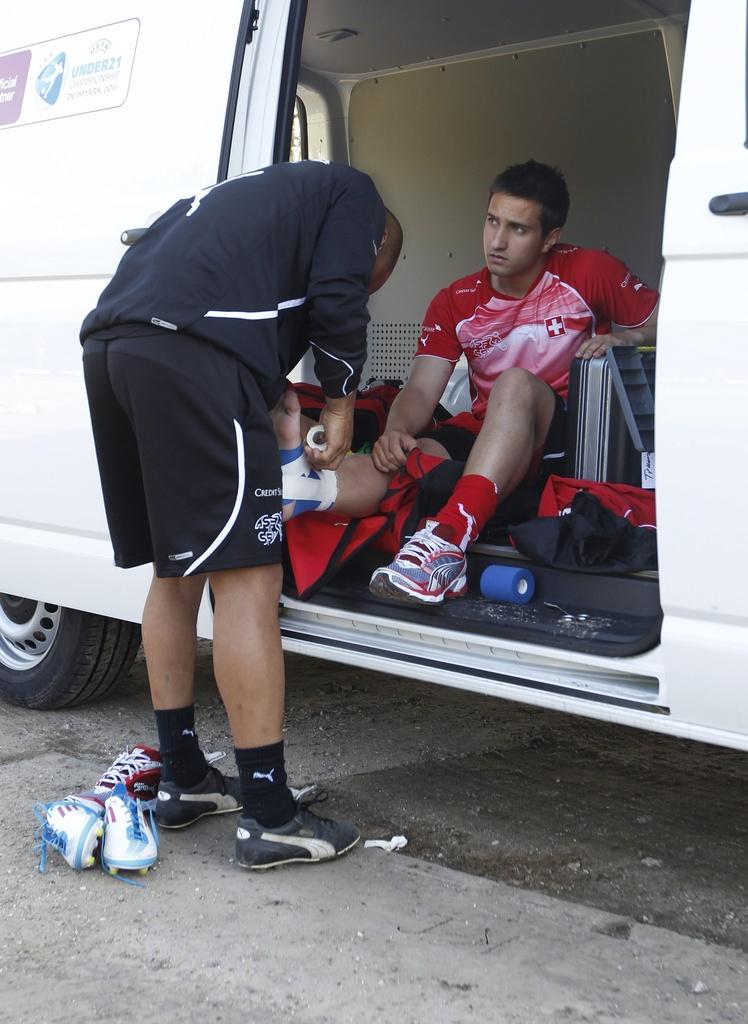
(130, 834)
(71, 827)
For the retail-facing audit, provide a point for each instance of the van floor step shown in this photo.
(615, 616)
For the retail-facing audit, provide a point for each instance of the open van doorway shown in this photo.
(433, 104)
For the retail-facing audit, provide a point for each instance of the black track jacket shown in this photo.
(264, 265)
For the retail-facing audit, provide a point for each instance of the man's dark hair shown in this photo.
(533, 180)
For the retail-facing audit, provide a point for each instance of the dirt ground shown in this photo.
(645, 826)
(629, 830)
(642, 825)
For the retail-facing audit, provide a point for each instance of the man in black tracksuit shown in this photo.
(184, 356)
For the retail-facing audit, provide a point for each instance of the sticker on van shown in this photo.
(74, 74)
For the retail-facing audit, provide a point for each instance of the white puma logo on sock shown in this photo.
(470, 521)
(264, 775)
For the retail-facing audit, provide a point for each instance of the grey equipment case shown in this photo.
(610, 424)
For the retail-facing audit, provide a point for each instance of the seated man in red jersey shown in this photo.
(520, 321)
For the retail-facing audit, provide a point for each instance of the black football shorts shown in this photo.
(459, 434)
(187, 456)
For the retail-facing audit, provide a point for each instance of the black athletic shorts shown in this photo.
(459, 433)
(187, 455)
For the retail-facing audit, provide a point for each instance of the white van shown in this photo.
(108, 113)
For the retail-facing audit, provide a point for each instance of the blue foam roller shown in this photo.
(506, 583)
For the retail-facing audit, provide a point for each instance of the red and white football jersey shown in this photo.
(579, 293)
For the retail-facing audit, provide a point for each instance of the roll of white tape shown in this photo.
(312, 435)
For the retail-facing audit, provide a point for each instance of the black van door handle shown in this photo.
(131, 235)
(733, 202)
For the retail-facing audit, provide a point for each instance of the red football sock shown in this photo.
(472, 504)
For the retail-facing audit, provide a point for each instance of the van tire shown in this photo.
(85, 659)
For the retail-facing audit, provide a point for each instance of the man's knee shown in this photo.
(184, 589)
(516, 380)
(524, 389)
(429, 446)
(261, 581)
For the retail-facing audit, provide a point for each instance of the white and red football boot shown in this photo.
(138, 769)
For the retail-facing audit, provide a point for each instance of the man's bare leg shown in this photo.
(517, 420)
(360, 487)
(248, 666)
(516, 423)
(248, 662)
(432, 565)
(247, 654)
(169, 639)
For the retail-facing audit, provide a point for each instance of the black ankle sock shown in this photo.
(265, 793)
(183, 762)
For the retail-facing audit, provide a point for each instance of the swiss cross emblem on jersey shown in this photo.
(555, 326)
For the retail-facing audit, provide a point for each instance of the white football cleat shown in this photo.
(130, 834)
(72, 828)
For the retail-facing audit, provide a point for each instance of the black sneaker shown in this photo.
(305, 839)
(178, 807)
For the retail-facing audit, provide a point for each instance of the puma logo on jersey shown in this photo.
(426, 331)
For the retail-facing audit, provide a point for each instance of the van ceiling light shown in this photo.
(334, 35)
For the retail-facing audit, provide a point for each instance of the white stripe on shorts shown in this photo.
(237, 504)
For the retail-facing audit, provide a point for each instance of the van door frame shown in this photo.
(291, 64)
(247, 28)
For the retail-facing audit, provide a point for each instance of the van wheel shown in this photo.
(53, 657)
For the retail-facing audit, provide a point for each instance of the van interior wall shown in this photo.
(433, 138)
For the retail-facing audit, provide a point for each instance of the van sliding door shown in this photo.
(702, 371)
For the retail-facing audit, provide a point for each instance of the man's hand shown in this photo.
(392, 449)
(411, 412)
(336, 419)
(631, 336)
(597, 346)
